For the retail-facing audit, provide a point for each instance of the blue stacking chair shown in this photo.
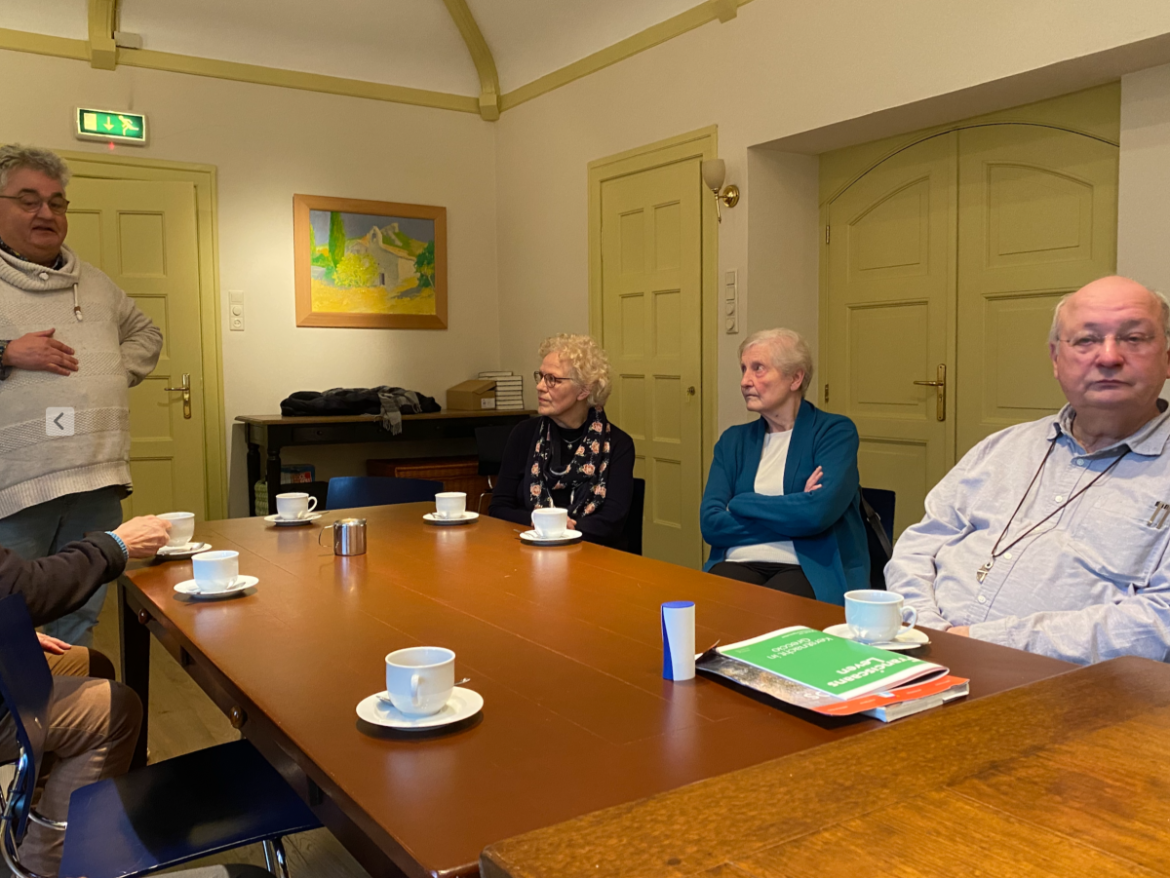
(160, 816)
(348, 492)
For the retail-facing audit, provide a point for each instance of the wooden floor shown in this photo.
(183, 719)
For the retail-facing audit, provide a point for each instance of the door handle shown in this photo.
(940, 387)
(186, 391)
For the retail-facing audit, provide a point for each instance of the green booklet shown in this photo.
(831, 665)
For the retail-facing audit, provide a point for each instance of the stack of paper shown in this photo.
(509, 390)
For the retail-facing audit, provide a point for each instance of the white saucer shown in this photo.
(462, 704)
(181, 553)
(566, 539)
(292, 522)
(465, 518)
(909, 638)
(190, 589)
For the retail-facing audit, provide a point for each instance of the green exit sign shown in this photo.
(111, 126)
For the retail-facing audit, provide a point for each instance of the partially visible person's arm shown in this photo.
(720, 527)
(605, 525)
(810, 512)
(505, 495)
(60, 583)
(911, 571)
(140, 341)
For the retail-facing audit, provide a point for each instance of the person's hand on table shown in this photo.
(40, 352)
(52, 645)
(961, 630)
(144, 535)
(572, 524)
(813, 483)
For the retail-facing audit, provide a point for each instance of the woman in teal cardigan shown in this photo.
(782, 503)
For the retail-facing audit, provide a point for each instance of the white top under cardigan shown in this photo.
(770, 482)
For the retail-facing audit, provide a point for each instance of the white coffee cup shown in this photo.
(216, 571)
(450, 504)
(877, 616)
(294, 505)
(182, 528)
(419, 679)
(550, 522)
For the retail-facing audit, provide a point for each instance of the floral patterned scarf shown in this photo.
(586, 472)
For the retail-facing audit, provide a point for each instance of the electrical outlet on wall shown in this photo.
(729, 301)
(236, 310)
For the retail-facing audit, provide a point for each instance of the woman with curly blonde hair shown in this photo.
(570, 457)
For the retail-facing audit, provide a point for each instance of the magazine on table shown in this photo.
(833, 675)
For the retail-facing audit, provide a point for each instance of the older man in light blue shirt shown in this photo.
(1052, 536)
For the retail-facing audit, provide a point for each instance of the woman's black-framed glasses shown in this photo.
(550, 381)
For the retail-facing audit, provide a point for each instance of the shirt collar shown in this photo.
(57, 265)
(1150, 439)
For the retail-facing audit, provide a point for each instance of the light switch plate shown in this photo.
(731, 301)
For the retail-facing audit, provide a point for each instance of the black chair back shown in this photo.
(348, 492)
(632, 531)
(27, 687)
(877, 508)
(489, 448)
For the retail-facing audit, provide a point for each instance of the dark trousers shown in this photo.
(788, 578)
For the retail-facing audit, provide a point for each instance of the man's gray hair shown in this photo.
(14, 156)
(788, 351)
(1163, 304)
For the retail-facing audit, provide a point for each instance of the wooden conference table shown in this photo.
(562, 643)
(1066, 776)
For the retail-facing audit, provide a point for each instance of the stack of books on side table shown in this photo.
(832, 675)
(509, 390)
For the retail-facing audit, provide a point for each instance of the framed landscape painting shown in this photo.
(371, 264)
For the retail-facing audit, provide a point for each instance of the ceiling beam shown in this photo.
(103, 19)
(485, 64)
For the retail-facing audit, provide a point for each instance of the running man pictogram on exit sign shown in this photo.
(112, 126)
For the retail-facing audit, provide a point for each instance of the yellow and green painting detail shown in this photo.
(366, 264)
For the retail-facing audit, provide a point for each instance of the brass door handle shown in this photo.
(940, 386)
(186, 391)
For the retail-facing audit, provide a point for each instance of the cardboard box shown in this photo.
(472, 396)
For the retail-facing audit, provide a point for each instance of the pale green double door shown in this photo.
(944, 264)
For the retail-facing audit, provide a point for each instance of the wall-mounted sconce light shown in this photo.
(714, 170)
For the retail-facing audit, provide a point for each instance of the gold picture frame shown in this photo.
(370, 264)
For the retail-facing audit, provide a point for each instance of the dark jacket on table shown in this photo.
(59, 584)
(510, 495)
(825, 526)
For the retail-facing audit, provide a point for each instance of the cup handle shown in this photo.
(322, 533)
(415, 679)
(913, 620)
(312, 505)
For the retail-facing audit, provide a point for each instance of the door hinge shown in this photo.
(826, 393)
(826, 233)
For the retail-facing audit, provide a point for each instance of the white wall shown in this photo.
(778, 69)
(267, 144)
(1143, 198)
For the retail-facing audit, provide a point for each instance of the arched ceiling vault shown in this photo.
(476, 56)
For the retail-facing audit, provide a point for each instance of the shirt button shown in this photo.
(982, 599)
(1059, 497)
(1080, 461)
(1008, 555)
(44, 275)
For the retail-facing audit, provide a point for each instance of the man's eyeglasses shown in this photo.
(1130, 342)
(30, 202)
(550, 381)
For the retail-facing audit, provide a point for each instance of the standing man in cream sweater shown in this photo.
(69, 340)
